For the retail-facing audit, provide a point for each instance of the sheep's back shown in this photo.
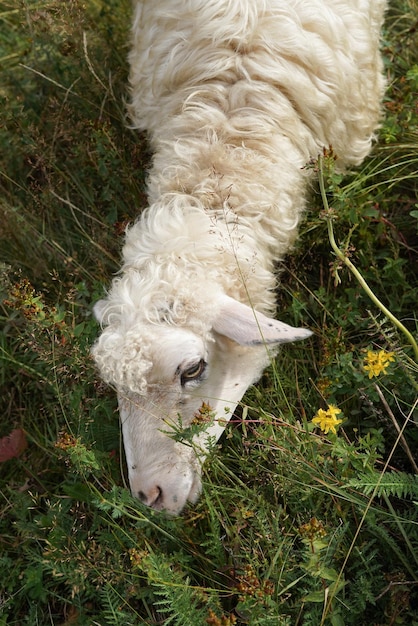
(310, 68)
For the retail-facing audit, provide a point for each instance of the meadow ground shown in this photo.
(296, 525)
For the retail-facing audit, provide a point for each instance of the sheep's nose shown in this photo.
(153, 497)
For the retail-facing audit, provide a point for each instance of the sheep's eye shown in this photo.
(193, 373)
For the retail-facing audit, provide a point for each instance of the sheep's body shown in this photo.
(236, 96)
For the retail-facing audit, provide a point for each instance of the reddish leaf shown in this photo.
(13, 445)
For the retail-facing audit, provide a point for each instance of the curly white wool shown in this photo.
(236, 97)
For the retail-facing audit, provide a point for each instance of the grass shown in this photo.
(294, 527)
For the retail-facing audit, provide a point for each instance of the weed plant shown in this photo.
(300, 522)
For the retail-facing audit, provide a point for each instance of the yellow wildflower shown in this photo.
(327, 420)
(377, 362)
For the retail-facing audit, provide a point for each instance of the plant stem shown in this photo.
(397, 427)
(355, 271)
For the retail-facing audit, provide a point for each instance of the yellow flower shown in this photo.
(327, 420)
(377, 362)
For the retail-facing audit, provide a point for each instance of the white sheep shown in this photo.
(237, 96)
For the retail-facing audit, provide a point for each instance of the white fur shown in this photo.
(237, 96)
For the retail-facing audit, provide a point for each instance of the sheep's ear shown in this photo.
(247, 327)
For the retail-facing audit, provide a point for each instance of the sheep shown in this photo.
(236, 97)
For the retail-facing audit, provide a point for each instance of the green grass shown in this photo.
(294, 527)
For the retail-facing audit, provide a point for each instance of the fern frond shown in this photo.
(180, 603)
(112, 607)
(398, 484)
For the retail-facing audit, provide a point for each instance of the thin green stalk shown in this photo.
(404, 535)
(340, 255)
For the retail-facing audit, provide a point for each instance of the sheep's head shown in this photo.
(164, 374)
